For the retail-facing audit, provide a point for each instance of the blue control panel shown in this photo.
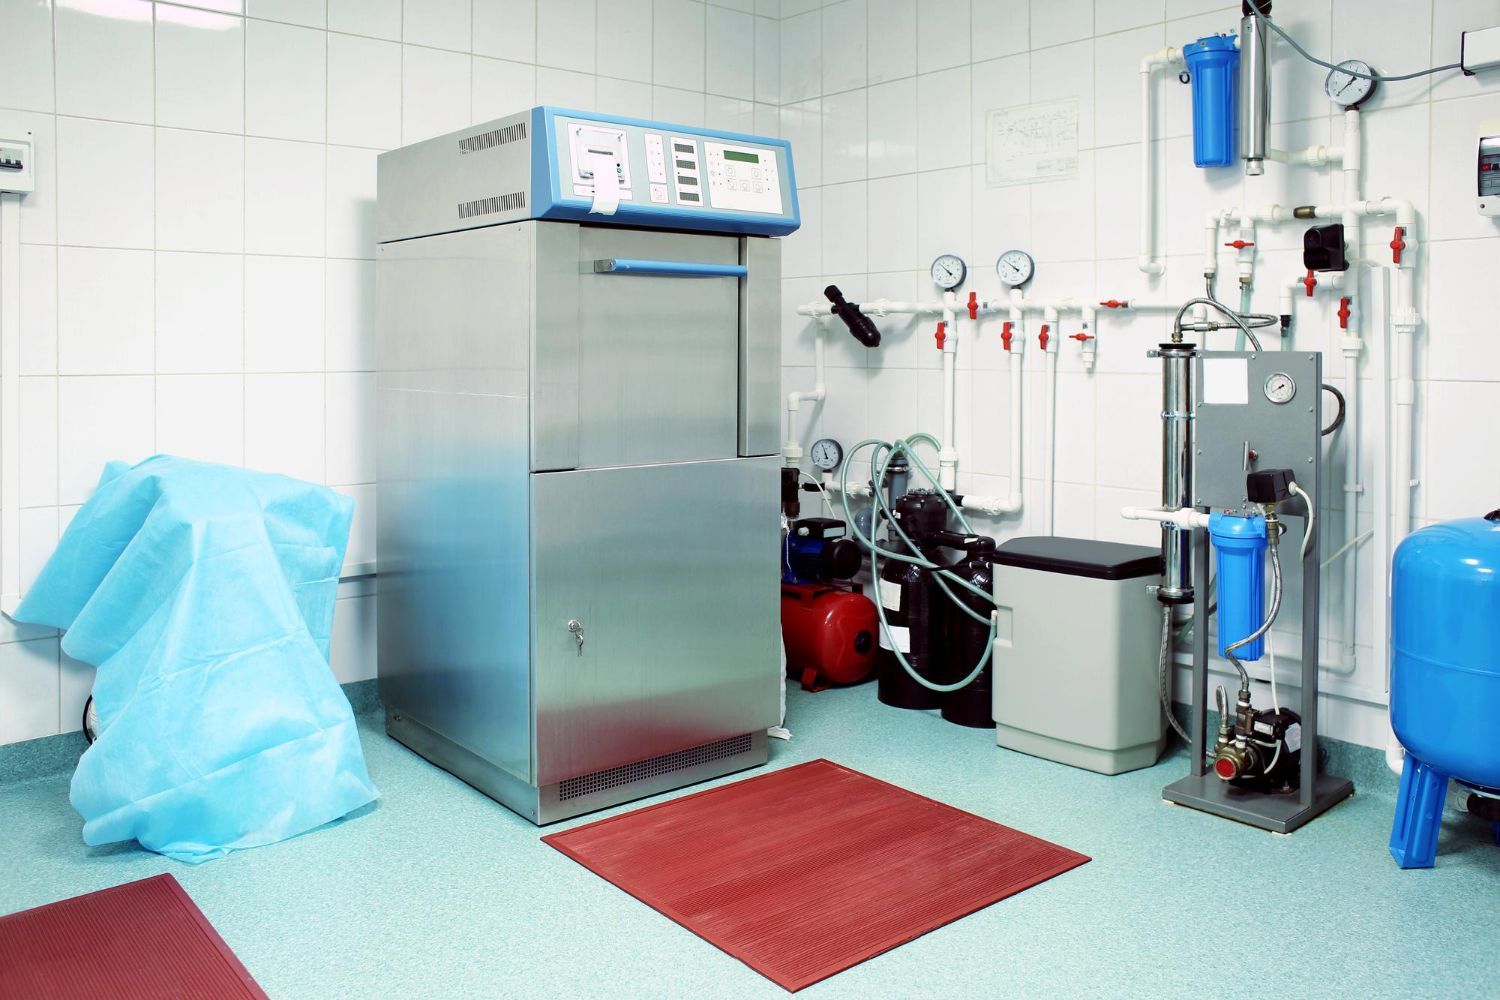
(598, 168)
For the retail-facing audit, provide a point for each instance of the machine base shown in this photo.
(586, 793)
(1277, 813)
(1097, 759)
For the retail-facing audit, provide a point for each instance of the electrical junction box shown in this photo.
(1479, 50)
(16, 159)
(1487, 168)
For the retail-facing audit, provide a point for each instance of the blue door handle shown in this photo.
(668, 268)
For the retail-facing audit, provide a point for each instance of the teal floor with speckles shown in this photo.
(436, 891)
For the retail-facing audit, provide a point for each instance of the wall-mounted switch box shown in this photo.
(16, 161)
(1479, 50)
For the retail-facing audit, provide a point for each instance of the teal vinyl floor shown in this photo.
(436, 891)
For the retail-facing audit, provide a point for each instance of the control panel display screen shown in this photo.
(741, 179)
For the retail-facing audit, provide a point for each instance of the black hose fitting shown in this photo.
(864, 329)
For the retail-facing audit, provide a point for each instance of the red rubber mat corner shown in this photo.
(129, 942)
(806, 871)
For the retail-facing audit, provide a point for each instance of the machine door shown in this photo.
(653, 355)
(656, 610)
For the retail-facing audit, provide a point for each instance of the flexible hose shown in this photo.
(1163, 673)
(1230, 314)
(1310, 531)
(880, 457)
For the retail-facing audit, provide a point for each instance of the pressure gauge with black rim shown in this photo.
(1347, 90)
(826, 454)
(1015, 268)
(1280, 388)
(948, 271)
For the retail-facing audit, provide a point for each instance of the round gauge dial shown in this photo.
(1347, 90)
(948, 271)
(1280, 388)
(826, 454)
(1015, 268)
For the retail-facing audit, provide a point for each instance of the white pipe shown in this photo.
(791, 452)
(995, 506)
(1048, 341)
(1405, 322)
(1311, 156)
(1187, 517)
(948, 454)
(10, 404)
(1166, 57)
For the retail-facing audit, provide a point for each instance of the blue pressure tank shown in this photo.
(1213, 64)
(1445, 672)
(1240, 545)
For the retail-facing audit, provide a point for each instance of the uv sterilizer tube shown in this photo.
(1240, 545)
(1213, 64)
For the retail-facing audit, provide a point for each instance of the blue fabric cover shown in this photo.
(204, 595)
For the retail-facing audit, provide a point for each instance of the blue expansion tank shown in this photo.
(1213, 63)
(1240, 545)
(1445, 673)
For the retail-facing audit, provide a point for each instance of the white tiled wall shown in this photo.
(886, 100)
(197, 266)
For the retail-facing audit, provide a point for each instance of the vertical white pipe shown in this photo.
(1049, 421)
(948, 455)
(791, 452)
(1016, 490)
(10, 404)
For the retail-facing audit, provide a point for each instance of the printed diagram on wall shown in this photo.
(1036, 142)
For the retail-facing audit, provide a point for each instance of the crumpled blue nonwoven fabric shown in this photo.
(204, 596)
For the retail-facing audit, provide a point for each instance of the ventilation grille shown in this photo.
(641, 770)
(489, 206)
(492, 138)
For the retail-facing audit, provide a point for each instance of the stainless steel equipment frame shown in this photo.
(1225, 442)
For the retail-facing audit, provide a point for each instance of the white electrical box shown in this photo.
(16, 157)
(1487, 168)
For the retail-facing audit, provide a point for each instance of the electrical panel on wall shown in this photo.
(16, 162)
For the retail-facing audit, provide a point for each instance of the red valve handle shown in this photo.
(1309, 281)
(1043, 337)
(1006, 334)
(1240, 244)
(973, 305)
(1081, 337)
(1115, 303)
(1343, 313)
(941, 334)
(1398, 243)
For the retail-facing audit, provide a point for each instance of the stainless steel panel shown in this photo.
(658, 356)
(555, 347)
(671, 571)
(452, 491)
(1282, 435)
(478, 176)
(760, 347)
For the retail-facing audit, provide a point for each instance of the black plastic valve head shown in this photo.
(864, 329)
(1269, 485)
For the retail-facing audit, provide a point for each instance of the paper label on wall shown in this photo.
(900, 635)
(890, 595)
(1034, 142)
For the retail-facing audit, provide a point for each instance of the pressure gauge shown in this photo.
(826, 454)
(1280, 388)
(1347, 90)
(1015, 268)
(948, 271)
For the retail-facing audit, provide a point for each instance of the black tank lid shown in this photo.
(1081, 557)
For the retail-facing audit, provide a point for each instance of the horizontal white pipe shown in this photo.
(1184, 518)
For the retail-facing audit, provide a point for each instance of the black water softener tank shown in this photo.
(967, 638)
(912, 605)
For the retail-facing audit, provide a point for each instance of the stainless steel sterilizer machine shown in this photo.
(579, 381)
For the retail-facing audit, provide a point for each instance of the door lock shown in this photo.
(576, 627)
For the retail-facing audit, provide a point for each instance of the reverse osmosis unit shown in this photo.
(579, 369)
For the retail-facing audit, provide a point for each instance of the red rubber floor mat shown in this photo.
(137, 940)
(806, 871)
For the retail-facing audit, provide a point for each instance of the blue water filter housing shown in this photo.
(1213, 64)
(1239, 542)
(1445, 673)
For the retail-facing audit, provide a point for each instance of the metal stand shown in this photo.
(1202, 790)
